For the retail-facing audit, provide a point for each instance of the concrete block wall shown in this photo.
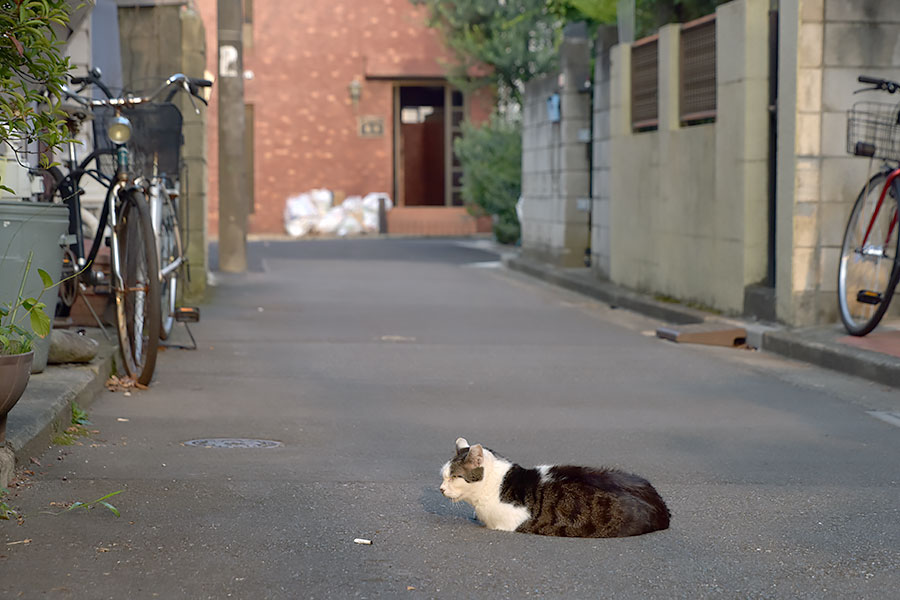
(824, 46)
(688, 204)
(555, 167)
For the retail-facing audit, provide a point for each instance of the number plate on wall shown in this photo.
(370, 127)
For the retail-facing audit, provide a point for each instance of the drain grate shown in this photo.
(233, 443)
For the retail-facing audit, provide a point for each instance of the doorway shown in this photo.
(427, 119)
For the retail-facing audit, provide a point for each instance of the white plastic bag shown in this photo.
(300, 215)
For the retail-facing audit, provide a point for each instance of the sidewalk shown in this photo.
(875, 357)
(43, 409)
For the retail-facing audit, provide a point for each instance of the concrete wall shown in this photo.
(688, 204)
(157, 42)
(824, 46)
(555, 166)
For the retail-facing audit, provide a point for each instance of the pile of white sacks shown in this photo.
(314, 212)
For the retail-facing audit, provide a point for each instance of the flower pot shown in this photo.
(39, 227)
(15, 370)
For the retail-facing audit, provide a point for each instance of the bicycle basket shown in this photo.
(873, 129)
(155, 129)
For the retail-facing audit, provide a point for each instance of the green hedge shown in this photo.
(491, 158)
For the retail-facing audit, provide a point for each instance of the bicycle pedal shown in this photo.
(187, 314)
(868, 297)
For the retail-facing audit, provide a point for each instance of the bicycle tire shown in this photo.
(867, 275)
(137, 287)
(170, 250)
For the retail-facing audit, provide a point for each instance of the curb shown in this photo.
(583, 283)
(38, 415)
(816, 346)
(804, 346)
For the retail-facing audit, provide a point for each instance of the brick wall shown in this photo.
(303, 57)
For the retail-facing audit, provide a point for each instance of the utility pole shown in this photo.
(232, 166)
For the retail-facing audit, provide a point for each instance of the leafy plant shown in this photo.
(491, 158)
(79, 415)
(503, 44)
(32, 73)
(14, 337)
(6, 511)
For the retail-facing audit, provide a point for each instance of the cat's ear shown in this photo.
(461, 444)
(475, 457)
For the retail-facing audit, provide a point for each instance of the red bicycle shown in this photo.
(870, 268)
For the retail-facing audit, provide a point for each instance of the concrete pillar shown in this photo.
(742, 141)
(233, 206)
(194, 154)
(601, 154)
(555, 166)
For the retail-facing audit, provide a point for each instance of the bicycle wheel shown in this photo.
(169, 243)
(868, 270)
(137, 287)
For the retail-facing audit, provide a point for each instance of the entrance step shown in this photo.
(711, 334)
(435, 221)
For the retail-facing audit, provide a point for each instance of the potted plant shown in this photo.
(21, 321)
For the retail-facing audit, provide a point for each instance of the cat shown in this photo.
(565, 501)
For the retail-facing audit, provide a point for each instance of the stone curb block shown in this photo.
(48, 397)
(852, 361)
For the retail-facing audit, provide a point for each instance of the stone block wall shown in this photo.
(555, 166)
(824, 46)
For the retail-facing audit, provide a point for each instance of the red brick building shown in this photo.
(348, 95)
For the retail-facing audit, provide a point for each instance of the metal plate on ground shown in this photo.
(233, 443)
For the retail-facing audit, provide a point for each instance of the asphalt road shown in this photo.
(366, 360)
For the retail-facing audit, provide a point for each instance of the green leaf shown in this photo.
(45, 278)
(110, 495)
(40, 323)
(111, 508)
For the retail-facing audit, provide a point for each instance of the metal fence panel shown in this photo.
(645, 83)
(698, 70)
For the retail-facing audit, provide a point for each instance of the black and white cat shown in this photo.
(552, 500)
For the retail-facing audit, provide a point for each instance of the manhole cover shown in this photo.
(233, 443)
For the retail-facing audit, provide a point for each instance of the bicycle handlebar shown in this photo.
(879, 84)
(189, 84)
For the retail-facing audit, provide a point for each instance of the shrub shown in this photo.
(491, 158)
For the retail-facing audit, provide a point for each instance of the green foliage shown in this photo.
(596, 11)
(31, 61)
(491, 158)
(6, 511)
(650, 15)
(496, 43)
(79, 415)
(14, 337)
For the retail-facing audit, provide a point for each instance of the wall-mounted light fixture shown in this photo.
(355, 91)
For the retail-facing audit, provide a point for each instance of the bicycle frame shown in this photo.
(884, 190)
